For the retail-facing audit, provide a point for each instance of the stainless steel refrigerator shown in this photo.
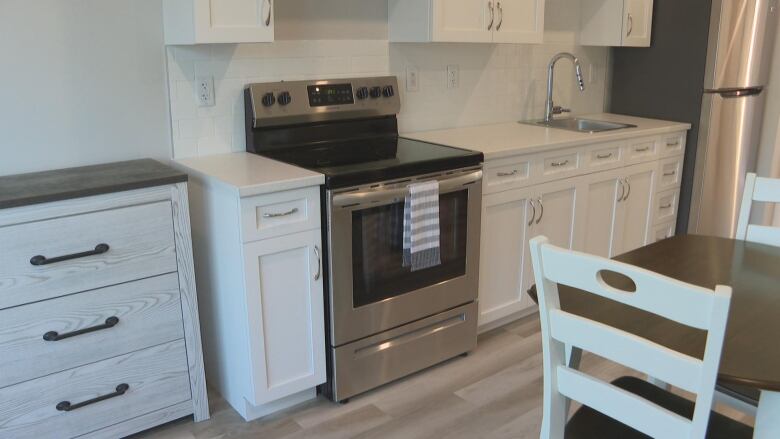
(708, 65)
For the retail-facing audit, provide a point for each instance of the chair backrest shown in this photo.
(766, 190)
(686, 304)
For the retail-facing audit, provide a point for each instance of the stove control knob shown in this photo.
(376, 92)
(268, 99)
(362, 93)
(285, 98)
(388, 91)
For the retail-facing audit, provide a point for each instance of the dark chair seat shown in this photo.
(745, 394)
(589, 424)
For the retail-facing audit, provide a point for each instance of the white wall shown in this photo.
(83, 81)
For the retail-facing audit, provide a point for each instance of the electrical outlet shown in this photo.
(453, 76)
(206, 91)
(412, 79)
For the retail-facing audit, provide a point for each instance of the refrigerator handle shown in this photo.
(730, 93)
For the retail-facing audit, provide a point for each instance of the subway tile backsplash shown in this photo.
(497, 83)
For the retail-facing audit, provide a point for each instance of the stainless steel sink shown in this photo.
(581, 125)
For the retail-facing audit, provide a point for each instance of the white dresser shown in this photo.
(99, 330)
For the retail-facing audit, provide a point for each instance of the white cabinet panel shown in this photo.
(286, 315)
(463, 20)
(616, 23)
(638, 22)
(218, 21)
(635, 211)
(504, 222)
(601, 192)
(519, 21)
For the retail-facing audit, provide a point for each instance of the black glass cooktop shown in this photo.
(359, 161)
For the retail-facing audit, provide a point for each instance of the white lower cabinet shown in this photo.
(606, 213)
(285, 314)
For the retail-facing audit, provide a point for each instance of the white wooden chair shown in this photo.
(628, 407)
(759, 189)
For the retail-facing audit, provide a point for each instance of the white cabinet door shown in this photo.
(469, 21)
(218, 21)
(637, 19)
(285, 314)
(505, 218)
(555, 205)
(635, 211)
(602, 192)
(519, 21)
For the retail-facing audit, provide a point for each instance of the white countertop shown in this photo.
(250, 174)
(509, 139)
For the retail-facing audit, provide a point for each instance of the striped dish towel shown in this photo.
(421, 226)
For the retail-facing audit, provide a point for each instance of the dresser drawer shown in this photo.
(46, 259)
(63, 333)
(505, 174)
(642, 150)
(670, 173)
(672, 145)
(156, 378)
(280, 213)
(666, 206)
(661, 232)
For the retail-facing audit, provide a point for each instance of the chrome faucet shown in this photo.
(550, 108)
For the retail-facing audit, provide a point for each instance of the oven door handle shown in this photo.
(398, 193)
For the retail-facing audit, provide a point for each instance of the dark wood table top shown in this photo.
(751, 354)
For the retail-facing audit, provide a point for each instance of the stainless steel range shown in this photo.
(385, 321)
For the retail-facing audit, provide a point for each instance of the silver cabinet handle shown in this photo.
(622, 190)
(559, 164)
(646, 148)
(541, 215)
(628, 193)
(507, 174)
(630, 25)
(278, 215)
(669, 174)
(673, 144)
(492, 15)
(319, 263)
(666, 206)
(533, 216)
(268, 17)
(500, 16)
(603, 156)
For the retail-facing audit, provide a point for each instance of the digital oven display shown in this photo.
(331, 94)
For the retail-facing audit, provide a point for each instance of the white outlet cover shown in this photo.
(453, 76)
(412, 79)
(205, 91)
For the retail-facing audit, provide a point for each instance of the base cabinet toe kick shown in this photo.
(605, 199)
(99, 324)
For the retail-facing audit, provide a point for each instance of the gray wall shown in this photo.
(83, 82)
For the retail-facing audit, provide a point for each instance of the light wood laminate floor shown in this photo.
(495, 392)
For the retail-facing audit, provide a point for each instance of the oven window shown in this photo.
(377, 250)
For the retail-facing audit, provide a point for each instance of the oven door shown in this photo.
(370, 289)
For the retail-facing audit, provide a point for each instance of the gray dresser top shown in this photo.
(64, 184)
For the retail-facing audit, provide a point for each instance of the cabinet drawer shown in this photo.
(672, 145)
(35, 341)
(604, 157)
(642, 150)
(139, 243)
(560, 164)
(156, 378)
(661, 232)
(666, 206)
(280, 213)
(501, 175)
(670, 173)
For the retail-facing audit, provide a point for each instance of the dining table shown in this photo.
(750, 360)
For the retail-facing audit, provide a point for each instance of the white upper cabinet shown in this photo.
(466, 21)
(218, 21)
(625, 23)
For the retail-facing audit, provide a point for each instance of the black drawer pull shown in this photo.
(66, 406)
(54, 336)
(43, 260)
